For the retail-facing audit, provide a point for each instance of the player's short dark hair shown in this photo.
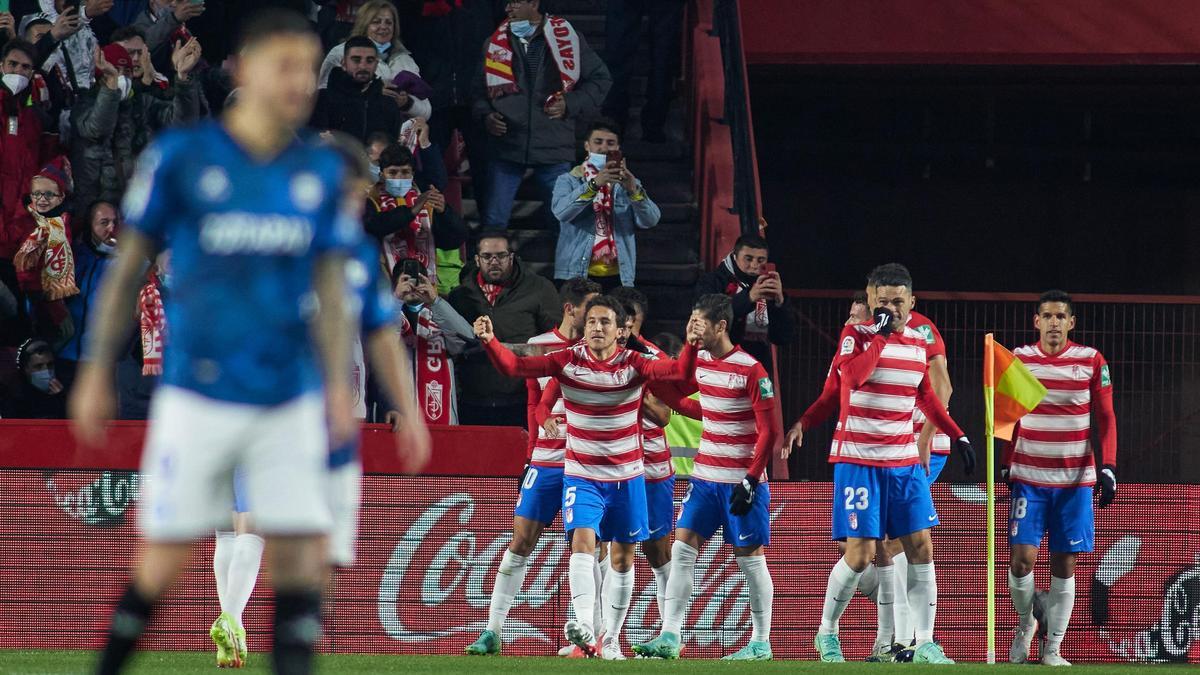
(609, 302)
(19, 45)
(395, 155)
(352, 153)
(270, 23)
(574, 290)
(632, 296)
(604, 124)
(359, 42)
(890, 274)
(127, 33)
(715, 307)
(749, 241)
(1055, 295)
(669, 343)
(494, 234)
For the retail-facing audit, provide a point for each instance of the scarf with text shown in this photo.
(756, 321)
(433, 380)
(47, 252)
(564, 49)
(153, 322)
(604, 248)
(414, 241)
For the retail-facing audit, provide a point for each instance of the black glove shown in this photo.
(1108, 485)
(883, 320)
(967, 453)
(633, 343)
(743, 496)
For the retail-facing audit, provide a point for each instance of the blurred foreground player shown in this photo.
(1051, 473)
(259, 240)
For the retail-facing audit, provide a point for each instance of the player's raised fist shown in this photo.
(483, 329)
(883, 321)
(967, 453)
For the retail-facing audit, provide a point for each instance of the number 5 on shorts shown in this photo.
(863, 499)
(569, 496)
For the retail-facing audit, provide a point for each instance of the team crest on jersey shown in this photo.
(765, 388)
(926, 332)
(847, 345)
(214, 184)
(307, 192)
(853, 518)
(737, 381)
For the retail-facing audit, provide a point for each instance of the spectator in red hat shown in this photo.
(113, 123)
(45, 262)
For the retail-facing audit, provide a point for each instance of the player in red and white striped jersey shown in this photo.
(1051, 472)
(880, 487)
(540, 496)
(728, 488)
(604, 495)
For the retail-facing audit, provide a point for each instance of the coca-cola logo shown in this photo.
(100, 500)
(437, 584)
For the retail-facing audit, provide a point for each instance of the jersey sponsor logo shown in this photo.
(1105, 377)
(239, 232)
(306, 191)
(214, 184)
(847, 345)
(765, 388)
(926, 331)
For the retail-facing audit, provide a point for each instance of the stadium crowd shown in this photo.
(443, 94)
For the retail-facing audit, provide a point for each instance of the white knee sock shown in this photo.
(583, 588)
(243, 572)
(1059, 604)
(868, 583)
(839, 591)
(603, 567)
(661, 576)
(762, 594)
(1021, 590)
(679, 587)
(618, 590)
(922, 600)
(900, 609)
(222, 557)
(885, 631)
(509, 578)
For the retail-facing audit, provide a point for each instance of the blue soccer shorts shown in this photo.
(936, 464)
(870, 502)
(541, 494)
(706, 507)
(614, 510)
(1063, 512)
(660, 504)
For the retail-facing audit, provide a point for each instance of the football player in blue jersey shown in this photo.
(260, 336)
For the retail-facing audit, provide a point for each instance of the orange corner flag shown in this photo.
(1010, 390)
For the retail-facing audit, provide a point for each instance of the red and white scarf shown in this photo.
(491, 292)
(414, 241)
(434, 380)
(756, 321)
(47, 252)
(604, 247)
(153, 321)
(564, 49)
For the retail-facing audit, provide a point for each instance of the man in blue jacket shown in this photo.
(599, 204)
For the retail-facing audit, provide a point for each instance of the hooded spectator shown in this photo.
(94, 248)
(20, 139)
(355, 102)
(39, 396)
(45, 262)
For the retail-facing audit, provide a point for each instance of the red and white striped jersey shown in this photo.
(876, 421)
(1052, 444)
(547, 451)
(656, 451)
(934, 346)
(731, 388)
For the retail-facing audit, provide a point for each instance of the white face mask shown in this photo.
(521, 28)
(15, 83)
(124, 86)
(598, 160)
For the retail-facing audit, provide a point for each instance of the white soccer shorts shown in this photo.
(344, 489)
(194, 443)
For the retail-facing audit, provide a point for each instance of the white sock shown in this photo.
(885, 632)
(1059, 603)
(679, 587)
(762, 594)
(222, 557)
(842, 582)
(243, 572)
(868, 583)
(618, 590)
(1021, 590)
(900, 610)
(601, 570)
(922, 600)
(509, 578)
(661, 576)
(583, 588)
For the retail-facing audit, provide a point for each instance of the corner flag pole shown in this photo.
(989, 406)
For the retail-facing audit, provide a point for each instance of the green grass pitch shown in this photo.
(44, 662)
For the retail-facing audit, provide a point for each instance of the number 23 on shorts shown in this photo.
(857, 498)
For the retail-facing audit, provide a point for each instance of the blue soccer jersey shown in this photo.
(244, 236)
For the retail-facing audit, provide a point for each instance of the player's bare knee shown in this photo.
(524, 540)
(1022, 560)
(583, 541)
(883, 556)
(918, 547)
(657, 551)
(621, 556)
(859, 553)
(748, 551)
(1062, 565)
